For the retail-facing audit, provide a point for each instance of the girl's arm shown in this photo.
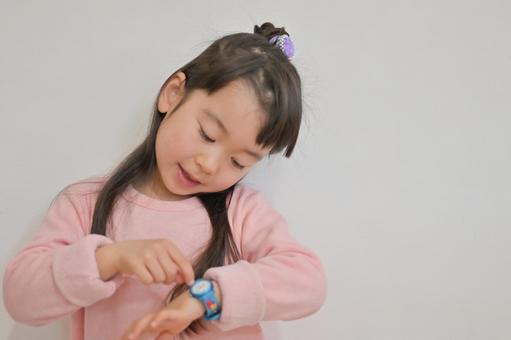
(278, 279)
(57, 273)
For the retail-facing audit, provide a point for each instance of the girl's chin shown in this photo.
(173, 192)
(176, 195)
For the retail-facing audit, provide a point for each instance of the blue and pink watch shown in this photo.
(204, 291)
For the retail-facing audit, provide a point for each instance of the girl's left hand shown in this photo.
(169, 321)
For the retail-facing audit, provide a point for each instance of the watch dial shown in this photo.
(201, 287)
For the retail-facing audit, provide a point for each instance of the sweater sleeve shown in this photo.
(56, 273)
(277, 278)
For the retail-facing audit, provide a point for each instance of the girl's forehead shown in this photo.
(235, 102)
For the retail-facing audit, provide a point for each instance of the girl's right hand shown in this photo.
(152, 261)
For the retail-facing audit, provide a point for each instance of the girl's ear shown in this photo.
(172, 92)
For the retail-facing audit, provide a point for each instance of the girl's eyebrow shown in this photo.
(221, 125)
(217, 120)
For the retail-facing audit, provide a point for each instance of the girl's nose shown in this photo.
(208, 163)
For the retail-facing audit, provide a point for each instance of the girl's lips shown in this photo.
(185, 178)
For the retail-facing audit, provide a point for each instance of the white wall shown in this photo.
(401, 182)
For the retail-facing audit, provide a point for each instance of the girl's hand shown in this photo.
(169, 321)
(152, 261)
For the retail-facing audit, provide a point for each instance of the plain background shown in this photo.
(401, 182)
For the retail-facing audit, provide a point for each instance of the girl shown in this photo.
(170, 243)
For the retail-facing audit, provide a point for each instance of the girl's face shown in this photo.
(208, 143)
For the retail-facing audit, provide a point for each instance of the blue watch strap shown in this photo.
(203, 290)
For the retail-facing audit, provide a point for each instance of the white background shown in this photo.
(401, 182)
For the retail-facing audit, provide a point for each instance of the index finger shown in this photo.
(183, 264)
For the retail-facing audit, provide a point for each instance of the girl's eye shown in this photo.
(205, 137)
(238, 165)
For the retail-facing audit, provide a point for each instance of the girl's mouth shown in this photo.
(185, 177)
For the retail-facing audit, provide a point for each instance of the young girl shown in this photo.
(170, 243)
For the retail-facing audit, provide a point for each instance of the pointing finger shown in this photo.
(183, 264)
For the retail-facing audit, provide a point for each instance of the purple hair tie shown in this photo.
(285, 43)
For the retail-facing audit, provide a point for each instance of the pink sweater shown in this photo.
(56, 274)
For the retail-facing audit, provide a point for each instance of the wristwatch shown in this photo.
(204, 291)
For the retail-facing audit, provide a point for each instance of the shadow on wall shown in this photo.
(56, 330)
(271, 330)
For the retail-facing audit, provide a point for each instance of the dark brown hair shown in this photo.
(277, 85)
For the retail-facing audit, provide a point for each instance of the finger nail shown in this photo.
(154, 323)
(190, 283)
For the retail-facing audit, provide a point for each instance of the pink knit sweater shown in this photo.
(56, 274)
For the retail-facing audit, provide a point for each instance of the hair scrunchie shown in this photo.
(284, 42)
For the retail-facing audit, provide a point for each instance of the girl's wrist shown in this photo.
(197, 305)
(106, 261)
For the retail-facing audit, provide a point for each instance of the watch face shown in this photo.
(201, 287)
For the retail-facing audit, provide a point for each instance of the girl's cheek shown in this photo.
(229, 178)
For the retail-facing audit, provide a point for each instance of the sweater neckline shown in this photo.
(139, 198)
